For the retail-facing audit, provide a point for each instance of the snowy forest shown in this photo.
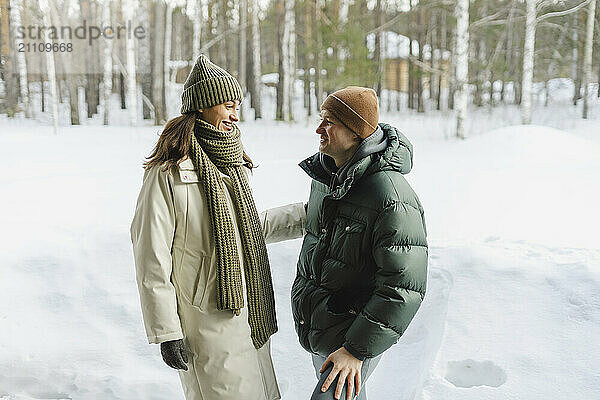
(418, 55)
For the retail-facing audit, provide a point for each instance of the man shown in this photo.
(362, 269)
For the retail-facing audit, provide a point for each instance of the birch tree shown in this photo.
(242, 48)
(531, 20)
(194, 8)
(168, 38)
(587, 58)
(283, 86)
(107, 78)
(45, 8)
(7, 61)
(69, 66)
(21, 62)
(256, 60)
(158, 63)
(145, 16)
(309, 56)
(318, 51)
(462, 65)
(88, 14)
(131, 72)
(290, 23)
(379, 48)
(528, 54)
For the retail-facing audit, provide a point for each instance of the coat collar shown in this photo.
(312, 166)
(186, 165)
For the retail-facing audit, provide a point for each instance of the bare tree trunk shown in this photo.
(256, 63)
(21, 63)
(92, 95)
(108, 64)
(491, 102)
(223, 27)
(243, 11)
(66, 59)
(309, 58)
(318, 53)
(442, 41)
(7, 65)
(510, 51)
(146, 14)
(131, 72)
(576, 57)
(379, 49)
(528, 56)
(168, 40)
(411, 67)
(195, 10)
(45, 8)
(462, 65)
(121, 55)
(420, 105)
(290, 23)
(433, 45)
(587, 63)
(598, 94)
(43, 94)
(452, 73)
(122, 93)
(282, 39)
(158, 63)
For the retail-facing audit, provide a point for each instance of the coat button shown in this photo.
(301, 322)
(323, 230)
(347, 228)
(312, 277)
(351, 311)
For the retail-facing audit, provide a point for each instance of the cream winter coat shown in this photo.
(175, 260)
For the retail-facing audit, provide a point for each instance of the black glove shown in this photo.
(174, 354)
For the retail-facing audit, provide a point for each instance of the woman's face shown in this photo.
(222, 116)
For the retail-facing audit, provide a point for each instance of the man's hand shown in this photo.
(348, 367)
(174, 354)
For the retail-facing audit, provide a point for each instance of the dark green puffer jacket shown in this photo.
(362, 269)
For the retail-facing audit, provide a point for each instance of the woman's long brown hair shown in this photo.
(175, 141)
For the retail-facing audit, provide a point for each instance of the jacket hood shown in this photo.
(397, 155)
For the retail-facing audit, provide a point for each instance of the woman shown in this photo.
(201, 262)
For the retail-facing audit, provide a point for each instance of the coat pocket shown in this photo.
(347, 241)
(192, 278)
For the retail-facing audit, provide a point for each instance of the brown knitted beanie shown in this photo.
(356, 107)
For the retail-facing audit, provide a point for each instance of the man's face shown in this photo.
(337, 141)
(222, 116)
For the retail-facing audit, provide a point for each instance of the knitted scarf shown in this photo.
(213, 151)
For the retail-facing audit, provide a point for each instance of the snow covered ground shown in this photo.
(513, 303)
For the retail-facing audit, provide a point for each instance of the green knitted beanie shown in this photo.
(208, 85)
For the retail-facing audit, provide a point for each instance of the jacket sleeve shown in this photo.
(152, 232)
(284, 223)
(400, 253)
